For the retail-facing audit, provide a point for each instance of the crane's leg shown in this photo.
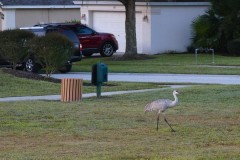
(158, 121)
(168, 124)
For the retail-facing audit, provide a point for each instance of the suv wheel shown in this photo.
(107, 50)
(31, 66)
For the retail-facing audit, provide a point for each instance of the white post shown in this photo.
(212, 55)
(196, 51)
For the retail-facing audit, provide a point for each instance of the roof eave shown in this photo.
(179, 3)
(38, 6)
(143, 3)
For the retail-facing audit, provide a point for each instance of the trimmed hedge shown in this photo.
(14, 45)
(52, 51)
(234, 47)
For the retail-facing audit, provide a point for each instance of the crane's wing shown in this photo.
(160, 104)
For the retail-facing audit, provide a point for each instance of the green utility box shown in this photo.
(99, 73)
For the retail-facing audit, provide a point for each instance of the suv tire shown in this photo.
(107, 49)
(31, 66)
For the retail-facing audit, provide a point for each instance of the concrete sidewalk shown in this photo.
(87, 95)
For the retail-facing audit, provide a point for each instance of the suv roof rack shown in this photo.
(35, 27)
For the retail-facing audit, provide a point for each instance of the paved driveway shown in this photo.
(171, 78)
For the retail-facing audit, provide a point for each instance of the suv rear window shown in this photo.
(84, 30)
(68, 33)
(38, 32)
(71, 35)
(79, 29)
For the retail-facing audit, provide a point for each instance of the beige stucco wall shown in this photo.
(0, 24)
(29, 17)
(167, 27)
(1, 19)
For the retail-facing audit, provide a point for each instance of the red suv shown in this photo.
(92, 41)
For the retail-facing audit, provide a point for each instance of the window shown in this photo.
(83, 30)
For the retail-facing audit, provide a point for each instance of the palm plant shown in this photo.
(229, 10)
(218, 26)
(206, 30)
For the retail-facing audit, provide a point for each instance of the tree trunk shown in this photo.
(130, 27)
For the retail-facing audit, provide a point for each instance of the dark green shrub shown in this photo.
(218, 26)
(52, 51)
(14, 45)
(234, 47)
(205, 31)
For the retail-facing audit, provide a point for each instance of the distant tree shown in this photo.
(130, 27)
(218, 26)
(229, 14)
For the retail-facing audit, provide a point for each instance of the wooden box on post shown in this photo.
(71, 89)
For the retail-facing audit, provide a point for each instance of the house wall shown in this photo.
(111, 18)
(30, 17)
(171, 27)
(1, 18)
(9, 19)
(15, 18)
(166, 28)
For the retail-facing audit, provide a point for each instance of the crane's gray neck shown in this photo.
(175, 102)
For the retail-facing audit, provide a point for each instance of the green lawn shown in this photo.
(115, 127)
(167, 63)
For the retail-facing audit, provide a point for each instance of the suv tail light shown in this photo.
(80, 46)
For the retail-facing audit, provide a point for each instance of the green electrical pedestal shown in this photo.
(99, 86)
(99, 75)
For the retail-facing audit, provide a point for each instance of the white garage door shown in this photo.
(114, 22)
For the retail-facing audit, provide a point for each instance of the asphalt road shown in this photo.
(168, 78)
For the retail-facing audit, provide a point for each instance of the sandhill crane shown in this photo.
(161, 105)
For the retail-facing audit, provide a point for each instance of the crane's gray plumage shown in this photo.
(161, 105)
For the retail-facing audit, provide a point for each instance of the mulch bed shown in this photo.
(35, 76)
(29, 75)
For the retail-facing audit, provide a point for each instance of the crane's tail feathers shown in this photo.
(147, 108)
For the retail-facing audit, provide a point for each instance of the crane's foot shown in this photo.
(157, 122)
(157, 127)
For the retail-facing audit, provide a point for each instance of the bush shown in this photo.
(205, 29)
(14, 45)
(52, 51)
(219, 25)
(234, 47)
